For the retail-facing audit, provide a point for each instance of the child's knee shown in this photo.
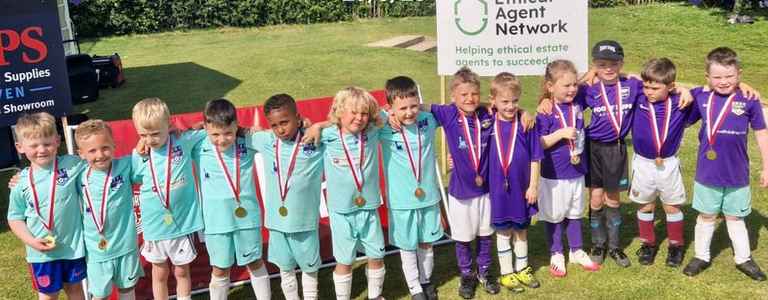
(342, 269)
(648, 207)
(707, 218)
(375, 263)
(181, 271)
(671, 209)
(255, 265)
(425, 246)
(520, 235)
(733, 218)
(219, 272)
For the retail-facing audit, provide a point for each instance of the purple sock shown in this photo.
(554, 237)
(484, 254)
(573, 231)
(464, 257)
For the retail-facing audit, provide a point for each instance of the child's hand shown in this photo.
(589, 77)
(545, 106)
(394, 122)
(306, 123)
(528, 121)
(14, 181)
(312, 135)
(450, 162)
(568, 133)
(142, 148)
(764, 178)
(685, 97)
(41, 245)
(532, 195)
(748, 91)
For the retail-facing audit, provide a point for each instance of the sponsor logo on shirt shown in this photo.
(399, 146)
(601, 109)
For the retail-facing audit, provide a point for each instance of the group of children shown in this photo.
(75, 214)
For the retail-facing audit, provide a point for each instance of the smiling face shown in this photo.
(564, 89)
(723, 79)
(506, 103)
(608, 70)
(466, 96)
(284, 123)
(222, 136)
(98, 150)
(406, 109)
(40, 151)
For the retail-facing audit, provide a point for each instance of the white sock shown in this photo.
(426, 264)
(737, 231)
(375, 281)
(127, 296)
(703, 238)
(184, 298)
(218, 288)
(289, 285)
(309, 285)
(521, 255)
(260, 283)
(504, 250)
(411, 271)
(343, 286)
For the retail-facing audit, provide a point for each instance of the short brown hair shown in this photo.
(660, 70)
(401, 87)
(506, 81)
(37, 125)
(465, 75)
(723, 56)
(92, 127)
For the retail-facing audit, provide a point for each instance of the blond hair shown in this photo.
(508, 82)
(92, 127)
(465, 75)
(355, 99)
(151, 113)
(554, 70)
(37, 125)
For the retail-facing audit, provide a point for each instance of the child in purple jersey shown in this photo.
(513, 174)
(467, 130)
(561, 196)
(656, 134)
(722, 173)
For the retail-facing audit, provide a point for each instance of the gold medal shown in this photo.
(50, 240)
(240, 212)
(659, 161)
(359, 201)
(478, 181)
(103, 244)
(283, 211)
(575, 160)
(419, 193)
(711, 154)
(168, 218)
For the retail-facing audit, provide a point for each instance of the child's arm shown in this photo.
(313, 133)
(547, 141)
(762, 143)
(19, 228)
(532, 194)
(686, 98)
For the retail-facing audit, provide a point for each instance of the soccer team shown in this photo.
(75, 214)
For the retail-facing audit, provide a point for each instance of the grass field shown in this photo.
(247, 65)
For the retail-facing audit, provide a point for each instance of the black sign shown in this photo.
(33, 70)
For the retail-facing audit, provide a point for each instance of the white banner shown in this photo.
(517, 36)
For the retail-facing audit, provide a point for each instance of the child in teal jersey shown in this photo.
(170, 210)
(109, 224)
(44, 212)
(409, 166)
(292, 175)
(231, 212)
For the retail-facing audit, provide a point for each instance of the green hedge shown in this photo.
(117, 17)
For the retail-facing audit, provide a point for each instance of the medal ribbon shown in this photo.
(615, 118)
(416, 169)
(474, 146)
(283, 189)
(358, 180)
(233, 186)
(52, 198)
(564, 122)
(506, 160)
(712, 132)
(104, 198)
(660, 138)
(166, 200)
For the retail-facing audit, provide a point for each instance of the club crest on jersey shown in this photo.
(308, 149)
(241, 150)
(738, 107)
(177, 153)
(62, 176)
(117, 182)
(486, 123)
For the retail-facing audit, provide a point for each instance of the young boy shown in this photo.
(513, 176)
(722, 172)
(467, 131)
(656, 132)
(231, 212)
(44, 210)
(108, 220)
(409, 166)
(169, 205)
(293, 196)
